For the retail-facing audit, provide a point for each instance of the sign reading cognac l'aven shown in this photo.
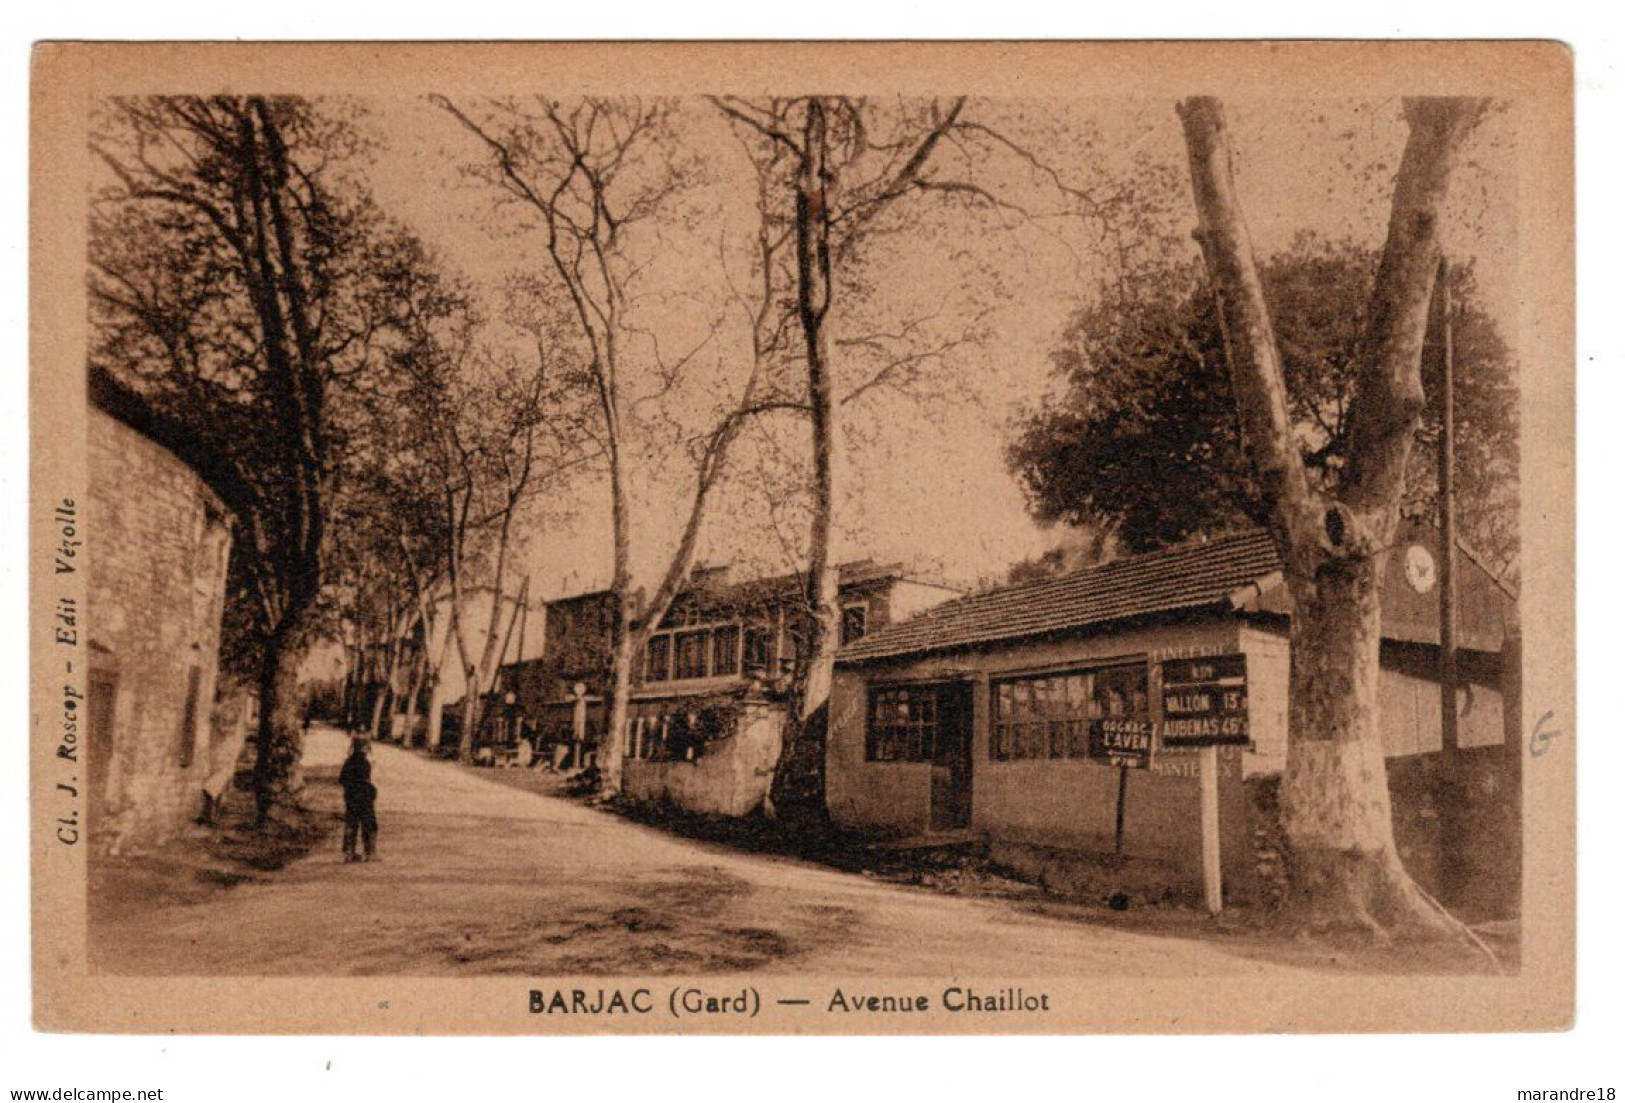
(1204, 702)
(1121, 741)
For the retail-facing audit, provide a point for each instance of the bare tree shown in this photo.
(1343, 865)
(589, 171)
(838, 177)
(490, 428)
(527, 450)
(240, 286)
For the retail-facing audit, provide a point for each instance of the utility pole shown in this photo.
(1453, 791)
(1450, 736)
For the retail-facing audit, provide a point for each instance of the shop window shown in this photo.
(1048, 715)
(659, 669)
(693, 655)
(903, 723)
(854, 623)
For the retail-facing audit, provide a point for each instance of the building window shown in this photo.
(725, 650)
(693, 654)
(1047, 716)
(659, 659)
(903, 723)
(854, 623)
(699, 653)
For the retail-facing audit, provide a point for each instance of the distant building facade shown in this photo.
(993, 716)
(708, 711)
(157, 583)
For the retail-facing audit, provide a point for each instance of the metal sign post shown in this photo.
(1122, 800)
(1125, 743)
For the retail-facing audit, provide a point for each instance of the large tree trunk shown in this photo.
(472, 710)
(414, 688)
(797, 783)
(471, 692)
(612, 742)
(435, 713)
(484, 666)
(813, 306)
(277, 774)
(381, 699)
(1344, 868)
(435, 707)
(625, 643)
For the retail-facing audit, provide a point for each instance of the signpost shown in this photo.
(1125, 742)
(1204, 702)
(1204, 706)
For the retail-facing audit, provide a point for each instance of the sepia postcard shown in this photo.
(782, 538)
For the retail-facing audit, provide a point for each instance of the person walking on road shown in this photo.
(360, 795)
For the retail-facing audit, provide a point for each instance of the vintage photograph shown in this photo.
(621, 539)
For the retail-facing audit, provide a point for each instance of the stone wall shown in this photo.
(158, 546)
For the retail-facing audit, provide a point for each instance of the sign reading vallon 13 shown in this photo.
(1204, 702)
(1121, 740)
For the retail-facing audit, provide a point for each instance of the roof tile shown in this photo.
(1185, 577)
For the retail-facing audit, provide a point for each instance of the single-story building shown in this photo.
(1036, 715)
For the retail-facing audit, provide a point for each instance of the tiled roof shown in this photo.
(1189, 576)
(704, 588)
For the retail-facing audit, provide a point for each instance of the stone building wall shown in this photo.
(731, 777)
(159, 540)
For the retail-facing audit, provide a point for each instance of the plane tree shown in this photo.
(240, 286)
(1343, 865)
(842, 183)
(1144, 446)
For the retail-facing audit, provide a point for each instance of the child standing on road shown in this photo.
(360, 818)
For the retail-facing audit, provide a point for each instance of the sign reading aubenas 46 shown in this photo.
(1204, 702)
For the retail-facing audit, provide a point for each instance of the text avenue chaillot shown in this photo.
(642, 1001)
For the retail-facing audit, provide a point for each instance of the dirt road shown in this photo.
(481, 878)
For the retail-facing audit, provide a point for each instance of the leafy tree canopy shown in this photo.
(1145, 443)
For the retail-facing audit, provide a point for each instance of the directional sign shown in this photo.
(1121, 740)
(1204, 702)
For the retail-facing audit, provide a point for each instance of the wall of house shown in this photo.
(234, 715)
(1030, 809)
(157, 576)
(1412, 723)
(890, 797)
(906, 598)
(1269, 677)
(1051, 803)
(731, 777)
